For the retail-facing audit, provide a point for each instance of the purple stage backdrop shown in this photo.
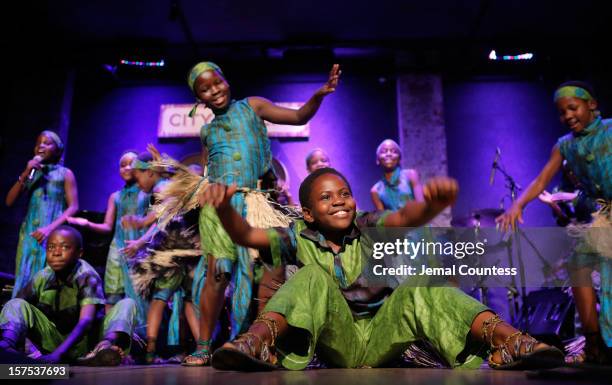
(519, 118)
(109, 117)
(349, 126)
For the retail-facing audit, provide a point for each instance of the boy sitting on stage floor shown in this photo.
(58, 307)
(326, 306)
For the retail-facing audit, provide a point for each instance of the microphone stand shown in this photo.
(513, 293)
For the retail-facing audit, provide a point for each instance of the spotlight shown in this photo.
(139, 63)
(524, 56)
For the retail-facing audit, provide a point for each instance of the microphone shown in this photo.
(494, 165)
(37, 158)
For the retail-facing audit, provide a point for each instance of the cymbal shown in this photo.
(478, 218)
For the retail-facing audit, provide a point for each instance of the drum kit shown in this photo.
(476, 224)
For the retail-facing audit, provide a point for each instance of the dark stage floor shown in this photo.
(175, 375)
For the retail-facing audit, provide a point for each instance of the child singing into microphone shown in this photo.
(52, 194)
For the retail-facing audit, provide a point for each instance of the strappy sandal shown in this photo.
(241, 354)
(518, 351)
(201, 355)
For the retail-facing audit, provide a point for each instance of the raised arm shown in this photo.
(219, 196)
(102, 228)
(280, 115)
(19, 186)
(515, 212)
(438, 194)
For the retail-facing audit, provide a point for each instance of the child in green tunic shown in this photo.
(326, 306)
(58, 307)
(238, 152)
(130, 200)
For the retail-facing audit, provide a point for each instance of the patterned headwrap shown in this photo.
(138, 164)
(572, 92)
(199, 69)
(55, 138)
(195, 72)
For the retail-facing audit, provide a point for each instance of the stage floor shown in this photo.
(175, 375)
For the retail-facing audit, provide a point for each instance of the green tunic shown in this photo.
(352, 325)
(48, 309)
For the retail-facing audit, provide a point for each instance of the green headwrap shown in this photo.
(194, 73)
(572, 92)
(199, 69)
(138, 164)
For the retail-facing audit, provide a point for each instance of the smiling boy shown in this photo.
(328, 306)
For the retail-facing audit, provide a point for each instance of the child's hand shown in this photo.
(332, 82)
(78, 221)
(154, 151)
(41, 234)
(440, 192)
(509, 218)
(217, 195)
(35, 163)
(132, 248)
(546, 197)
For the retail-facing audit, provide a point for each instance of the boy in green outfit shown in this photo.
(58, 307)
(326, 306)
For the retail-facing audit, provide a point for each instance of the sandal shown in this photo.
(524, 355)
(518, 351)
(241, 355)
(201, 357)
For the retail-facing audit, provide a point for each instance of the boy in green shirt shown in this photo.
(58, 307)
(328, 307)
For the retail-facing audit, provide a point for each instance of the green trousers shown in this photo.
(313, 304)
(28, 321)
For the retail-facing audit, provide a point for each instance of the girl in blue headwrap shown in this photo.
(238, 153)
(52, 193)
(587, 150)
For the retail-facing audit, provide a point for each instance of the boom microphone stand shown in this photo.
(513, 293)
